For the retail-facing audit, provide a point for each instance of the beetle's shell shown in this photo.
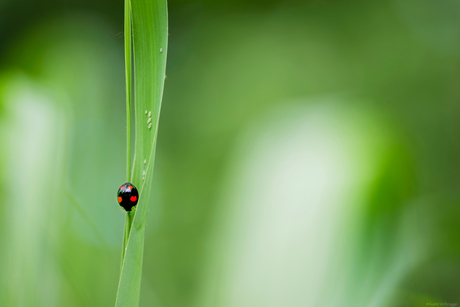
(127, 196)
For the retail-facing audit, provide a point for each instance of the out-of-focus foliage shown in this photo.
(308, 154)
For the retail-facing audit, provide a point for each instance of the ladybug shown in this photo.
(127, 196)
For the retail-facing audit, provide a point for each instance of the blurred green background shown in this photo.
(308, 154)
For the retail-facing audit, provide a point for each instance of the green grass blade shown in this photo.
(129, 94)
(149, 35)
(128, 73)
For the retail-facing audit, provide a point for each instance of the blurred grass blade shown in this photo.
(86, 217)
(149, 36)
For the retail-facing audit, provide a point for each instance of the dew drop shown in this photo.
(150, 126)
(145, 161)
(161, 49)
(149, 120)
(145, 111)
(150, 114)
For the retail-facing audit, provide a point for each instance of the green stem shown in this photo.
(128, 224)
(128, 59)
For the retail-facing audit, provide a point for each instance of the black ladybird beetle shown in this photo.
(127, 196)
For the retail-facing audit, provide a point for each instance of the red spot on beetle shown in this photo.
(130, 187)
(133, 198)
(119, 199)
